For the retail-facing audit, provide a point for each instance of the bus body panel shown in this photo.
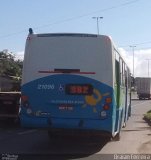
(88, 54)
(48, 100)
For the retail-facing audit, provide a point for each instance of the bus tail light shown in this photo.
(103, 113)
(24, 98)
(108, 100)
(106, 107)
(24, 101)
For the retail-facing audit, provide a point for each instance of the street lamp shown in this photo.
(133, 57)
(97, 21)
(148, 65)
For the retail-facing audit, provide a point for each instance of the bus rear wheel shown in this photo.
(117, 137)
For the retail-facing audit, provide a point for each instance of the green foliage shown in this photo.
(147, 116)
(9, 66)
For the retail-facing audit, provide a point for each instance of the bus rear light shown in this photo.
(24, 98)
(24, 101)
(106, 107)
(108, 100)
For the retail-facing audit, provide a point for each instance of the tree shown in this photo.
(9, 66)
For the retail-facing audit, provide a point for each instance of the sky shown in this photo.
(128, 22)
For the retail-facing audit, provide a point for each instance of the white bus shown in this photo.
(74, 82)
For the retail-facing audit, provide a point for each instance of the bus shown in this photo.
(74, 82)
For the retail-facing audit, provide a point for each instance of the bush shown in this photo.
(147, 116)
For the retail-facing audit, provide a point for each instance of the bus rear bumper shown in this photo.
(79, 132)
(56, 124)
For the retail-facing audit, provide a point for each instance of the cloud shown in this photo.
(140, 61)
(19, 55)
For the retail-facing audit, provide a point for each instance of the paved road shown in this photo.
(136, 136)
(136, 139)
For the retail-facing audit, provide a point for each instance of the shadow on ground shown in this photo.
(69, 147)
(9, 123)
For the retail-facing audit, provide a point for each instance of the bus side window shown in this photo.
(117, 72)
(129, 80)
(126, 77)
(117, 68)
(121, 72)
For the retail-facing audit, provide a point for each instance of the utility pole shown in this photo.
(97, 21)
(133, 58)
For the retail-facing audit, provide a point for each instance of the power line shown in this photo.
(72, 18)
(13, 34)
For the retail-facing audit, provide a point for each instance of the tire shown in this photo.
(117, 137)
(124, 125)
